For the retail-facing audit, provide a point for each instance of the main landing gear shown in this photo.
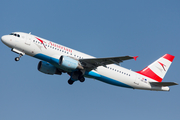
(70, 81)
(77, 75)
(81, 78)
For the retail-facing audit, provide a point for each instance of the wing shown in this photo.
(93, 63)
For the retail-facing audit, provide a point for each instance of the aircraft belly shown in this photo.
(112, 78)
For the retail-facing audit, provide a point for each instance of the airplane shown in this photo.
(58, 59)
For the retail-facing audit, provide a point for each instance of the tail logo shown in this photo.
(163, 65)
(41, 42)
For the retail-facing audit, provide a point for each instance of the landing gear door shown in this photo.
(28, 39)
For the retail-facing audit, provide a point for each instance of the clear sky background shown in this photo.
(102, 28)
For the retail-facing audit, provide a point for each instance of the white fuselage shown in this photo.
(112, 74)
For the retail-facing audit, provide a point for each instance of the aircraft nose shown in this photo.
(2, 39)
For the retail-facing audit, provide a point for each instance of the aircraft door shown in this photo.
(28, 39)
(137, 79)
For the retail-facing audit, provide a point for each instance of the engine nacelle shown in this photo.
(47, 68)
(69, 63)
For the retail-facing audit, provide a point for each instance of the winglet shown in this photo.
(135, 57)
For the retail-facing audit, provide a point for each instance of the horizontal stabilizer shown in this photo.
(163, 83)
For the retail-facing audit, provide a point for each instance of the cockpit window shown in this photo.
(15, 34)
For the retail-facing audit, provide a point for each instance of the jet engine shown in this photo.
(69, 63)
(47, 68)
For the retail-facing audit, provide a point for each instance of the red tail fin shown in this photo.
(158, 69)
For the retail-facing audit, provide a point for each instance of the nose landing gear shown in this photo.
(18, 52)
(18, 58)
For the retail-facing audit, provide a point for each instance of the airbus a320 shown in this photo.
(58, 59)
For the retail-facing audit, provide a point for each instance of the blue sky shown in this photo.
(102, 28)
